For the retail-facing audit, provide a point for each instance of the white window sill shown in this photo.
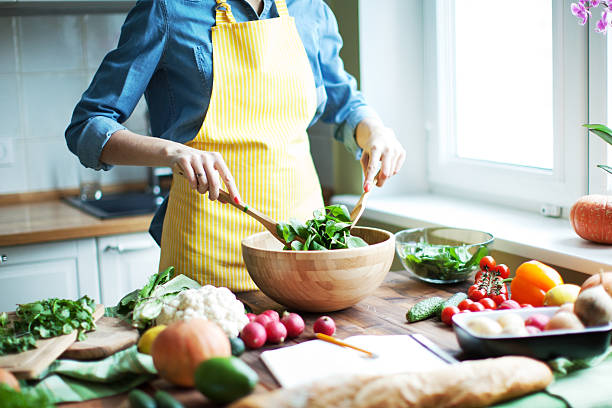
(550, 240)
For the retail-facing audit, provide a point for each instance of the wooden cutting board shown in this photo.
(111, 335)
(29, 364)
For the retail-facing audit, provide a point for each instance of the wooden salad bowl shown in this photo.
(319, 281)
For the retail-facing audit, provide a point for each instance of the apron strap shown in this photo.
(223, 13)
(281, 7)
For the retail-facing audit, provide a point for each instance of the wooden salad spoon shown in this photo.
(263, 219)
(358, 209)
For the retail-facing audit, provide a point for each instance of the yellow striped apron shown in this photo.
(262, 101)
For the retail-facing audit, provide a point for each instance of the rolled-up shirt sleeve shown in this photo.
(119, 83)
(345, 106)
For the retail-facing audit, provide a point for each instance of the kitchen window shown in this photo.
(600, 107)
(506, 90)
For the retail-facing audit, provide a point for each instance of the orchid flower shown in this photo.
(582, 10)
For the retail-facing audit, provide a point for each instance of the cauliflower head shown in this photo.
(218, 305)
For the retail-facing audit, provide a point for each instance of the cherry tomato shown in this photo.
(509, 304)
(447, 314)
(499, 299)
(465, 303)
(526, 305)
(477, 276)
(487, 263)
(476, 307)
(476, 294)
(503, 270)
(488, 303)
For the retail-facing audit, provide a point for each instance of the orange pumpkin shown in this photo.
(6, 377)
(591, 218)
(182, 346)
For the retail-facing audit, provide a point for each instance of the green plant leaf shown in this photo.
(601, 130)
(355, 242)
(297, 246)
(606, 168)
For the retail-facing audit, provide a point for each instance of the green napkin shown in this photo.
(578, 384)
(71, 380)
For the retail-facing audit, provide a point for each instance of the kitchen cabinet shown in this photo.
(125, 262)
(66, 269)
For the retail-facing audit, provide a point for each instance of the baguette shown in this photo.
(469, 384)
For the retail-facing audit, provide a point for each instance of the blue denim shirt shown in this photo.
(165, 53)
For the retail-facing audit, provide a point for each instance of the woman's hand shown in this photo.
(203, 170)
(380, 148)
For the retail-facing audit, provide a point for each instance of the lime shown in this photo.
(146, 340)
(225, 379)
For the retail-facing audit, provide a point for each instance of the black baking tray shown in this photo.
(546, 345)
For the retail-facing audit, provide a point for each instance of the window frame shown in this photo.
(600, 47)
(517, 186)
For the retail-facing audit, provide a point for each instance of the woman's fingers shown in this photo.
(185, 168)
(371, 167)
(213, 180)
(228, 179)
(386, 167)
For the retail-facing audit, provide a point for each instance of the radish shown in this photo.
(591, 218)
(272, 314)
(509, 304)
(537, 320)
(251, 317)
(293, 323)
(276, 332)
(325, 325)
(253, 335)
(263, 319)
(532, 330)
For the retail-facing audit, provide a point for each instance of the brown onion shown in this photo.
(604, 278)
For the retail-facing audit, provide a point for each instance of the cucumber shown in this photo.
(424, 309)
(140, 399)
(165, 400)
(451, 301)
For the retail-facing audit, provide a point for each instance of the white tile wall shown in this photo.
(14, 178)
(50, 43)
(46, 63)
(10, 123)
(8, 62)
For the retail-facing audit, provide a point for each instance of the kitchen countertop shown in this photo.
(382, 313)
(55, 220)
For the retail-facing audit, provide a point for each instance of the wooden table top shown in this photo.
(382, 313)
(55, 220)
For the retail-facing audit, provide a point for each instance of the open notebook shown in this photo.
(316, 359)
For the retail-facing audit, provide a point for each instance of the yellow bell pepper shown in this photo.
(531, 282)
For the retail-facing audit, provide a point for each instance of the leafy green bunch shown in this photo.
(44, 319)
(141, 307)
(329, 229)
(606, 134)
(441, 261)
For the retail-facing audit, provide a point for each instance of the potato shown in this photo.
(510, 320)
(484, 326)
(594, 306)
(564, 321)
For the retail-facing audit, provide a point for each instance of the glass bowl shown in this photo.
(440, 254)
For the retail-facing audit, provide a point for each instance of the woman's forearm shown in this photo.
(129, 148)
(202, 169)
